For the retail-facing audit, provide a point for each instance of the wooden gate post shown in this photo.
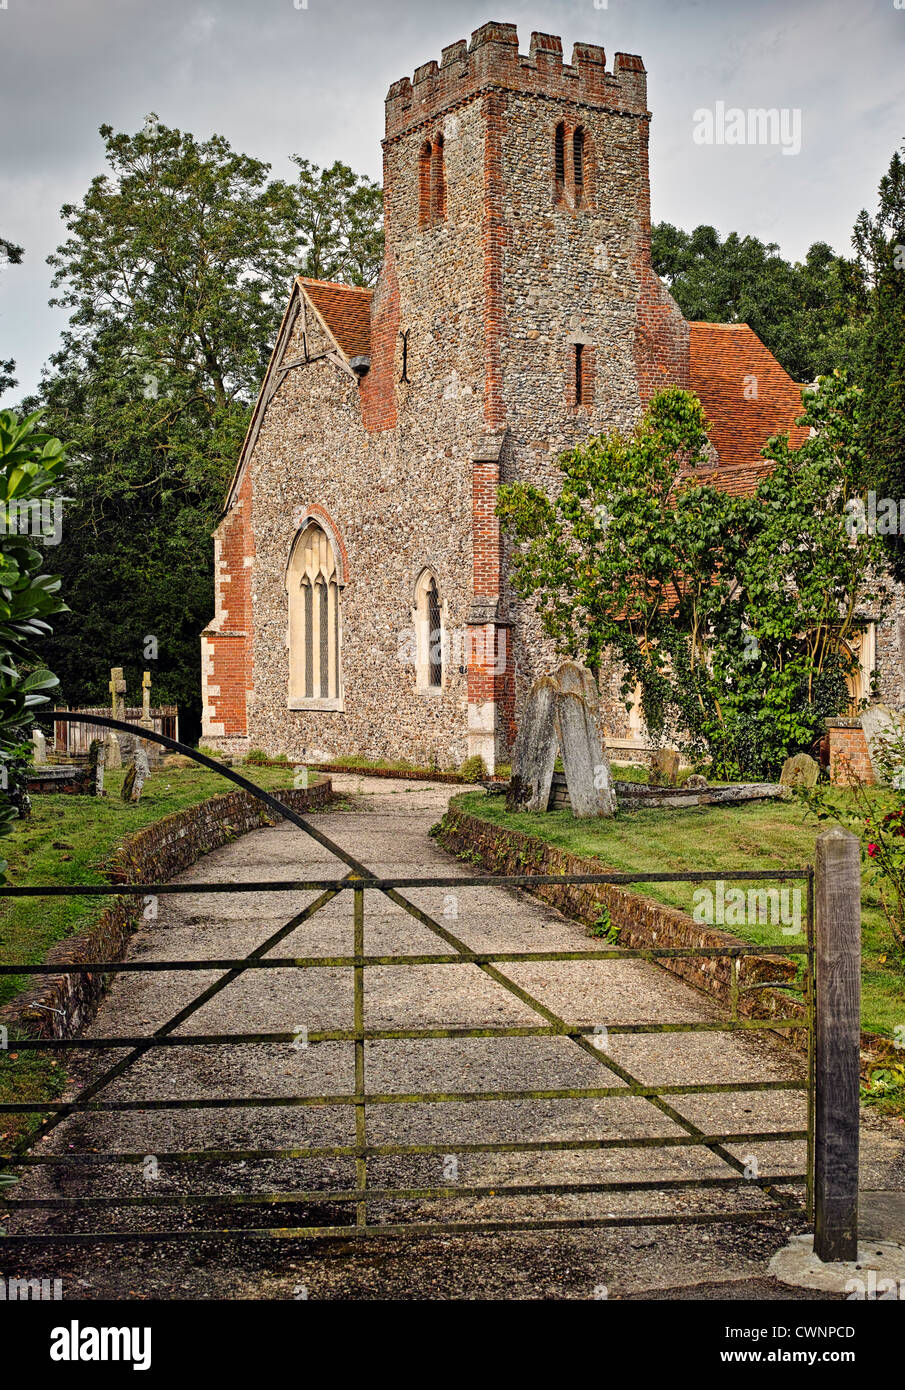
(838, 1044)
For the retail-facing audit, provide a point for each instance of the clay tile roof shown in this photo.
(346, 310)
(723, 355)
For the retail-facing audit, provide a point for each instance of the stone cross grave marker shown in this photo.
(117, 688)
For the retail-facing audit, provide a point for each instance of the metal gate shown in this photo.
(360, 886)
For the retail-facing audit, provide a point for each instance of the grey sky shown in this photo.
(276, 79)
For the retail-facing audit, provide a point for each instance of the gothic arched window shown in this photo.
(313, 583)
(429, 633)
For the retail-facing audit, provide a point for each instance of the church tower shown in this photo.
(517, 307)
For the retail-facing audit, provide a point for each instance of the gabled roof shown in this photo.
(345, 311)
(747, 396)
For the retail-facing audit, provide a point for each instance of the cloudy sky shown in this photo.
(276, 77)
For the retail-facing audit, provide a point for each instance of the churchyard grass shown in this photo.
(67, 840)
(759, 835)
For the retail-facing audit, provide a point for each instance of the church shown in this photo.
(363, 604)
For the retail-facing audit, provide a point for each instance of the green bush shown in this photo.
(473, 769)
(256, 757)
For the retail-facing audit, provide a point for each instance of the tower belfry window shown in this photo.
(559, 153)
(578, 159)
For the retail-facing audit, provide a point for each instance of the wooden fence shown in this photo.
(73, 739)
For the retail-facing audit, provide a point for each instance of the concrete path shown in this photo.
(384, 824)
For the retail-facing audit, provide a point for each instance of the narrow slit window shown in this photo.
(579, 374)
(578, 159)
(438, 182)
(559, 153)
(435, 635)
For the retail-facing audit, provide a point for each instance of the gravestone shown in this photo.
(574, 679)
(664, 767)
(117, 688)
(884, 730)
(697, 783)
(799, 771)
(136, 774)
(153, 751)
(97, 754)
(584, 758)
(534, 753)
(39, 745)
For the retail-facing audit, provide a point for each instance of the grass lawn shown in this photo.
(759, 835)
(67, 840)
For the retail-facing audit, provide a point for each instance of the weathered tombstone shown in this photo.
(584, 758)
(113, 757)
(97, 754)
(136, 774)
(152, 750)
(117, 688)
(697, 783)
(799, 771)
(664, 767)
(535, 750)
(884, 729)
(573, 678)
(39, 744)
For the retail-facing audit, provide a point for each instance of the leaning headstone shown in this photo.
(884, 729)
(664, 767)
(534, 753)
(584, 759)
(97, 752)
(799, 771)
(136, 774)
(39, 744)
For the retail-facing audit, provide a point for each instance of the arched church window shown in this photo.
(429, 633)
(312, 581)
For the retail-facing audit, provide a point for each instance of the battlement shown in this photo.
(492, 59)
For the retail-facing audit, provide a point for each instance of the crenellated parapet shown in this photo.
(492, 61)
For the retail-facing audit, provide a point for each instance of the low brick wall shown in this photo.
(57, 1006)
(641, 921)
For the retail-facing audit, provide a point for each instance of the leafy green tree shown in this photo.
(31, 464)
(880, 245)
(12, 254)
(803, 312)
(731, 614)
(340, 220)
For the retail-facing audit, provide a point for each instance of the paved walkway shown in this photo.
(384, 824)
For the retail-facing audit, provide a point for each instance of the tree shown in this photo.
(803, 312)
(731, 614)
(31, 463)
(176, 271)
(880, 246)
(340, 223)
(12, 254)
